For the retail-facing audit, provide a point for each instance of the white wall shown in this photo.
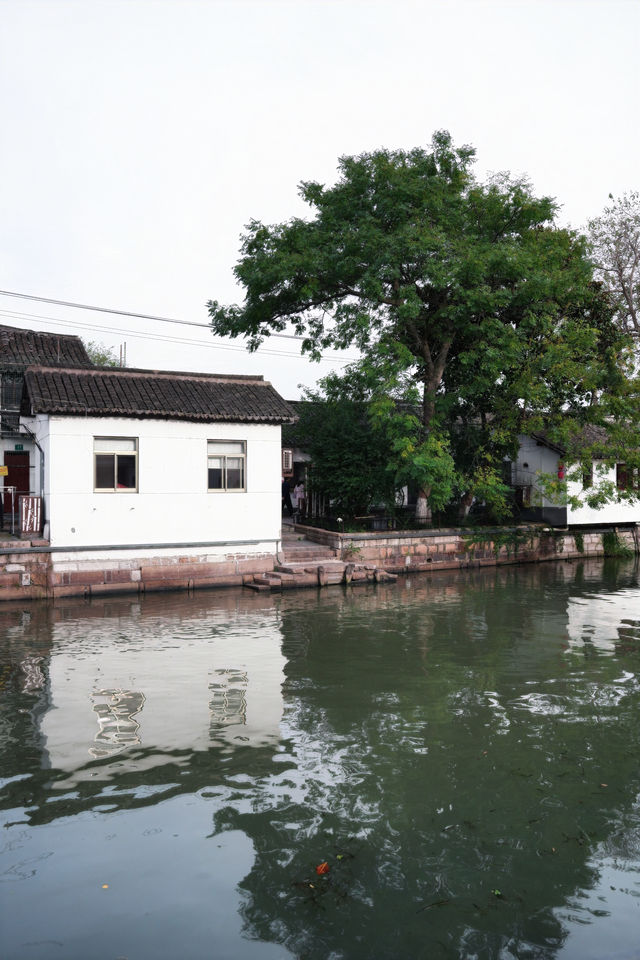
(610, 513)
(535, 458)
(540, 459)
(172, 504)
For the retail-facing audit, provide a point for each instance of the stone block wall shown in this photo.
(30, 574)
(410, 550)
(30, 571)
(23, 575)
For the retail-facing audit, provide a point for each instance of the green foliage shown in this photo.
(578, 539)
(614, 546)
(511, 539)
(349, 458)
(351, 552)
(100, 354)
(477, 319)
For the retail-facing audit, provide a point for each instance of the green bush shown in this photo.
(614, 546)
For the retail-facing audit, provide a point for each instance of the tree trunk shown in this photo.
(435, 370)
(423, 510)
(465, 506)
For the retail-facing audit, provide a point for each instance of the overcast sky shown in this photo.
(140, 136)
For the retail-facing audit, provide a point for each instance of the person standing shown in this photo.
(300, 497)
(286, 496)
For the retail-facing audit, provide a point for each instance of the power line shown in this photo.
(126, 313)
(11, 314)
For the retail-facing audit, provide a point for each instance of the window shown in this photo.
(287, 462)
(626, 477)
(226, 460)
(115, 464)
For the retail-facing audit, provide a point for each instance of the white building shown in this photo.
(20, 348)
(538, 457)
(142, 459)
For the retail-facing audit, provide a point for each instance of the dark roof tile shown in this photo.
(144, 394)
(19, 348)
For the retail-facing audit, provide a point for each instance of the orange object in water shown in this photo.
(322, 868)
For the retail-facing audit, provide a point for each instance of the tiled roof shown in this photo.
(589, 435)
(157, 394)
(19, 348)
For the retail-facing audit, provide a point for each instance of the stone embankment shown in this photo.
(309, 557)
(407, 551)
(23, 574)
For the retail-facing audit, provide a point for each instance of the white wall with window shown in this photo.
(111, 481)
(614, 512)
(226, 465)
(535, 458)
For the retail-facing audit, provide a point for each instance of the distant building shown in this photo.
(537, 456)
(18, 349)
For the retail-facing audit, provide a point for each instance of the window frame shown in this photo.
(227, 456)
(115, 453)
(287, 461)
(627, 478)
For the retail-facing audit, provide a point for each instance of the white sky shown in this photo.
(139, 137)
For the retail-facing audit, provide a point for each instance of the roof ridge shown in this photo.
(151, 373)
(39, 333)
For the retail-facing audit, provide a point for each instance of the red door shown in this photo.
(18, 477)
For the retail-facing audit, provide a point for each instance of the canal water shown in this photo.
(443, 767)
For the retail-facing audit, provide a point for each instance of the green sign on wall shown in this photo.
(18, 446)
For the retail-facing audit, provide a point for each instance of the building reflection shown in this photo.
(126, 691)
(116, 710)
(160, 686)
(228, 703)
(607, 621)
(428, 782)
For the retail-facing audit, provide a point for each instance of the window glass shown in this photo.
(235, 473)
(621, 476)
(126, 471)
(114, 444)
(226, 463)
(105, 471)
(217, 447)
(115, 464)
(216, 473)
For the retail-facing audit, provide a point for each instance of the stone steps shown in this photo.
(320, 573)
(299, 549)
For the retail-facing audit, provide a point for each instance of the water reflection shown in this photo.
(605, 621)
(116, 710)
(160, 689)
(459, 750)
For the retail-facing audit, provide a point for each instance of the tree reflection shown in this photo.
(472, 778)
(458, 764)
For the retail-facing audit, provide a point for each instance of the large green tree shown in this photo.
(464, 291)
